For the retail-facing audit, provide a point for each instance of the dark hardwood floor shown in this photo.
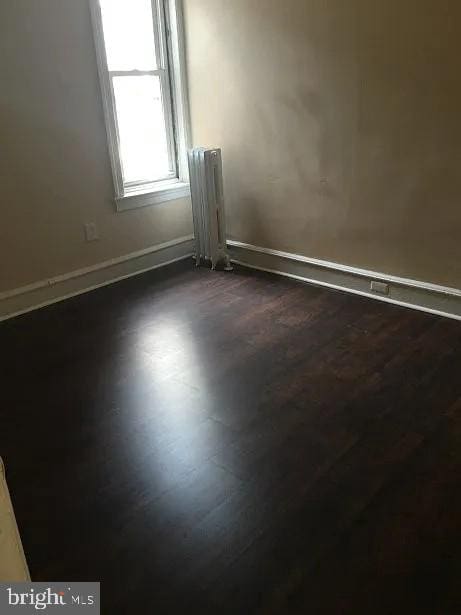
(237, 443)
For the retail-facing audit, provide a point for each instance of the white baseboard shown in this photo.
(418, 295)
(44, 292)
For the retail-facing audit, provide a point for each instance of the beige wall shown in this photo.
(54, 166)
(340, 126)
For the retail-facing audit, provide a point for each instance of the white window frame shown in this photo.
(171, 53)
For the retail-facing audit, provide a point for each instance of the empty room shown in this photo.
(230, 304)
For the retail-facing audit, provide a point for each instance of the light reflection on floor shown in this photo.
(170, 434)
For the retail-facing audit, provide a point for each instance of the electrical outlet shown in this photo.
(379, 287)
(91, 231)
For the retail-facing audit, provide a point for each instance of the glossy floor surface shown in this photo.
(207, 442)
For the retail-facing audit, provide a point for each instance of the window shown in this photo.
(139, 49)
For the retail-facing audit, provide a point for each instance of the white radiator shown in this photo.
(206, 186)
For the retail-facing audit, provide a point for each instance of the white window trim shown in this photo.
(169, 189)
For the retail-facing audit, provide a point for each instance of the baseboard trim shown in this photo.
(45, 292)
(414, 294)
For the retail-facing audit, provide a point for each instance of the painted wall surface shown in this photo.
(340, 127)
(54, 165)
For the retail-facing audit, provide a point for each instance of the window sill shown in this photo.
(167, 191)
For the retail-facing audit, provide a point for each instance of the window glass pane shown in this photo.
(141, 127)
(128, 34)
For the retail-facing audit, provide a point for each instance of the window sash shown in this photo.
(167, 118)
(163, 72)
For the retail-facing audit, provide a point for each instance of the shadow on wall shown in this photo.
(291, 177)
(53, 174)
